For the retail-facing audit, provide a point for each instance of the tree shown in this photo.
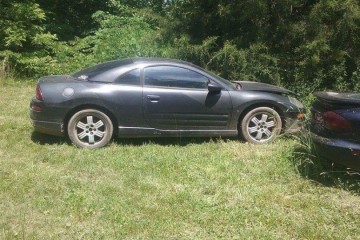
(23, 38)
(68, 19)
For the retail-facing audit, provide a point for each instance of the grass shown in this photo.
(159, 188)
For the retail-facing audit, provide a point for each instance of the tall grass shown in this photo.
(7, 75)
(311, 165)
(3, 72)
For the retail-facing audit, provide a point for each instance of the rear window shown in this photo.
(91, 72)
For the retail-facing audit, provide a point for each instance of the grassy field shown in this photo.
(160, 188)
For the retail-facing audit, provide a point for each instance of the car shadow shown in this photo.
(320, 170)
(168, 141)
(44, 139)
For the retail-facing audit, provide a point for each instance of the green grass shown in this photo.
(159, 188)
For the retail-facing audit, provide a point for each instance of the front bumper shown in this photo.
(294, 121)
(337, 150)
(294, 125)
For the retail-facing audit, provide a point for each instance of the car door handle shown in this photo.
(153, 98)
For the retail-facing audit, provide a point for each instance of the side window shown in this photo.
(167, 76)
(130, 78)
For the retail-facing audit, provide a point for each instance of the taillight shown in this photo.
(355, 152)
(336, 122)
(38, 93)
(36, 108)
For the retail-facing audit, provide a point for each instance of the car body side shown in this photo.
(127, 108)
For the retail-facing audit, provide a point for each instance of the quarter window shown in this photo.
(129, 78)
(168, 76)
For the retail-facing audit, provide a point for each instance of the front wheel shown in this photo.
(261, 125)
(90, 128)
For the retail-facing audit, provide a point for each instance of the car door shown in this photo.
(123, 96)
(177, 98)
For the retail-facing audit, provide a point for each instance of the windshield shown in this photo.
(93, 71)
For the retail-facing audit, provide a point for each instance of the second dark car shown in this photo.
(336, 127)
(146, 97)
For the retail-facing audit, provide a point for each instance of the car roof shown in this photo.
(165, 61)
(125, 64)
(158, 60)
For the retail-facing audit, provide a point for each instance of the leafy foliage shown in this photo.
(253, 63)
(23, 39)
(303, 45)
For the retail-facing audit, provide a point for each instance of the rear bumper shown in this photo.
(337, 150)
(52, 128)
(46, 119)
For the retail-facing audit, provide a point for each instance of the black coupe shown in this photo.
(150, 97)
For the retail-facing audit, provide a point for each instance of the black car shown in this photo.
(150, 97)
(336, 127)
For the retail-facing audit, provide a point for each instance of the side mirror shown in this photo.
(214, 88)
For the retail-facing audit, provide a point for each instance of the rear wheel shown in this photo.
(261, 125)
(90, 128)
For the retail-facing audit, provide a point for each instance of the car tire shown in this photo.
(90, 128)
(260, 125)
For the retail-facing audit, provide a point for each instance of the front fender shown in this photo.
(244, 101)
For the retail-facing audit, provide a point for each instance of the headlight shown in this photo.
(296, 102)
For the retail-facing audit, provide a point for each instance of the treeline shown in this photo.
(305, 45)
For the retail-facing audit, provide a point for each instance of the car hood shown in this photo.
(262, 87)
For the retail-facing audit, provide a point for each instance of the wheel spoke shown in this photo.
(259, 135)
(267, 132)
(90, 120)
(255, 120)
(81, 125)
(82, 134)
(264, 117)
(98, 124)
(99, 134)
(270, 124)
(253, 129)
(91, 139)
